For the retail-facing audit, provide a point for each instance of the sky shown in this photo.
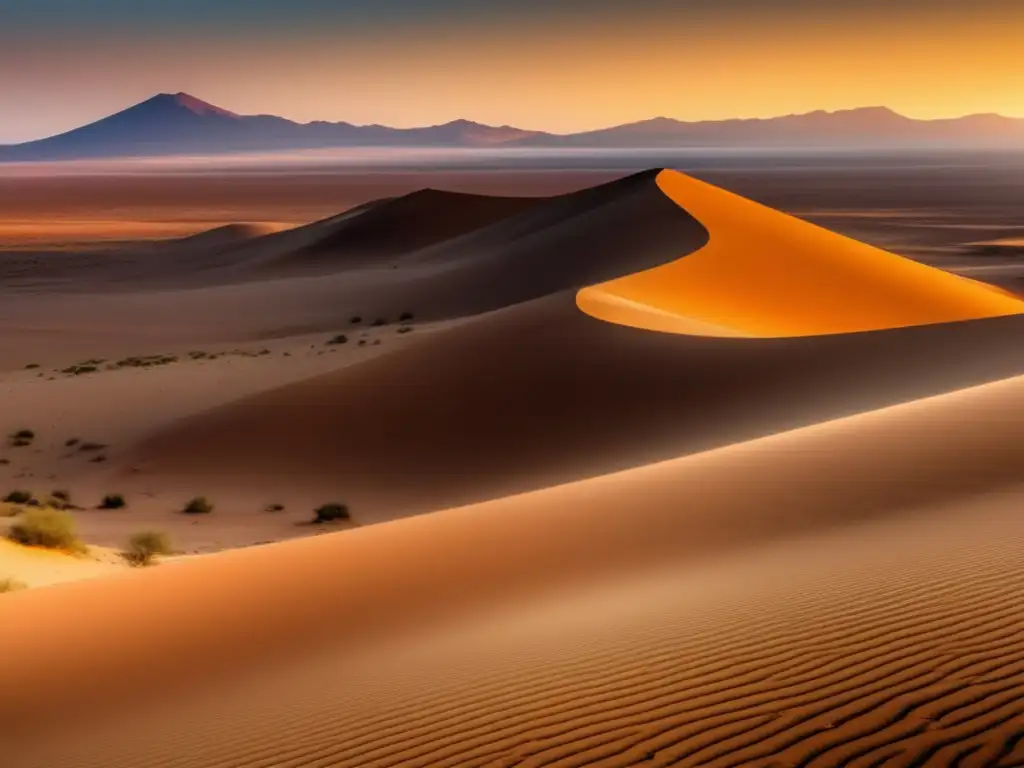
(558, 65)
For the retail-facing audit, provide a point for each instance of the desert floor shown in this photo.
(641, 473)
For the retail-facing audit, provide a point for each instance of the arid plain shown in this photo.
(638, 471)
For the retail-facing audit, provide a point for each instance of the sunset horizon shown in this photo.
(862, 108)
(568, 69)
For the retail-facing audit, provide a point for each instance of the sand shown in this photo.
(574, 542)
(765, 274)
(831, 601)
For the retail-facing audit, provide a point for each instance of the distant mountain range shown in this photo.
(171, 124)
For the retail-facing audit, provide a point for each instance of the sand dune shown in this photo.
(767, 274)
(784, 533)
(539, 394)
(542, 394)
(224, 236)
(621, 607)
(37, 567)
(394, 227)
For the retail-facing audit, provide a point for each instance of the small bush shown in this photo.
(405, 329)
(90, 447)
(31, 366)
(11, 585)
(330, 513)
(200, 505)
(113, 501)
(406, 317)
(143, 547)
(18, 497)
(274, 508)
(379, 322)
(64, 496)
(341, 338)
(356, 320)
(21, 438)
(72, 442)
(49, 528)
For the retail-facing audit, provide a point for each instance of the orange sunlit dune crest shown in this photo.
(766, 274)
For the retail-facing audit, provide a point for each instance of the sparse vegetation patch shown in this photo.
(200, 505)
(18, 497)
(11, 585)
(331, 513)
(21, 438)
(113, 501)
(49, 528)
(143, 547)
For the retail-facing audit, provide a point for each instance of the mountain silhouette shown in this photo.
(174, 124)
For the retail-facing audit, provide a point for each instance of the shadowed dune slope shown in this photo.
(524, 629)
(764, 273)
(540, 394)
(132, 303)
(394, 227)
(221, 237)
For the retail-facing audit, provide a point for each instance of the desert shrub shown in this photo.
(379, 322)
(330, 513)
(91, 447)
(200, 505)
(98, 459)
(405, 329)
(48, 528)
(71, 443)
(31, 366)
(11, 585)
(274, 508)
(406, 317)
(356, 320)
(18, 497)
(341, 338)
(21, 438)
(78, 370)
(113, 501)
(143, 547)
(64, 496)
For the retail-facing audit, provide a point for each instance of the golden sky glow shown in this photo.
(562, 75)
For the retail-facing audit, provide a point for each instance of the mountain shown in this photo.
(170, 124)
(865, 127)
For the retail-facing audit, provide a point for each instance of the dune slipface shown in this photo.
(766, 274)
